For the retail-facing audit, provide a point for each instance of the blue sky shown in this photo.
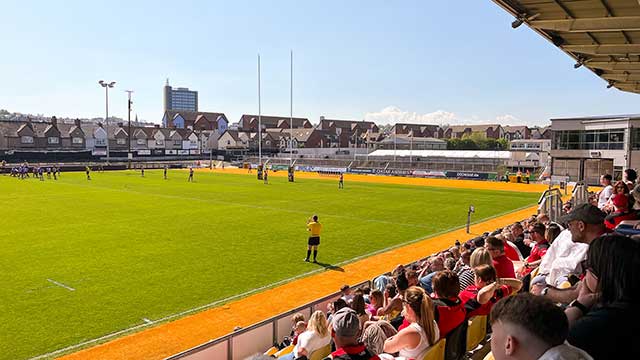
(430, 61)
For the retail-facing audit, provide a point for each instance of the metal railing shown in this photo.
(550, 203)
(580, 194)
(258, 337)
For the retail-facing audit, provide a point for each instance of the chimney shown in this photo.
(156, 126)
(119, 124)
(77, 122)
(321, 118)
(54, 121)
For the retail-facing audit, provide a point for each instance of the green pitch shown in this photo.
(134, 248)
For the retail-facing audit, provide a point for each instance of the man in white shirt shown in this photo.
(562, 259)
(605, 194)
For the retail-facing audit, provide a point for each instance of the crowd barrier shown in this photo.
(550, 203)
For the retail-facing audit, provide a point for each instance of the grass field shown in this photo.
(134, 248)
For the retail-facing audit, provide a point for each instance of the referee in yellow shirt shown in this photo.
(314, 227)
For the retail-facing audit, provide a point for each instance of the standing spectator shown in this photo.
(414, 340)
(480, 256)
(486, 291)
(449, 311)
(629, 177)
(605, 320)
(504, 266)
(605, 193)
(345, 327)
(316, 337)
(529, 327)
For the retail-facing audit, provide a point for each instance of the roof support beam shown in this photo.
(620, 49)
(622, 77)
(623, 23)
(612, 66)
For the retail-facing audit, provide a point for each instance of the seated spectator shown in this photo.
(376, 300)
(463, 264)
(344, 331)
(530, 327)
(621, 210)
(316, 337)
(347, 294)
(301, 327)
(538, 231)
(381, 282)
(605, 319)
(412, 277)
(455, 252)
(333, 307)
(502, 264)
(449, 309)
(414, 340)
(366, 292)
(518, 239)
(510, 249)
(450, 263)
(629, 177)
(486, 291)
(373, 338)
(426, 276)
(480, 256)
(393, 304)
(552, 232)
(358, 305)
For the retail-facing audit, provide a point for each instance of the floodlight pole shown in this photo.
(129, 102)
(106, 86)
(259, 118)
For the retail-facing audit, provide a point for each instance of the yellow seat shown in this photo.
(321, 353)
(436, 352)
(564, 285)
(476, 331)
(284, 351)
(271, 351)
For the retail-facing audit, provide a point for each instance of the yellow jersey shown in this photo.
(314, 228)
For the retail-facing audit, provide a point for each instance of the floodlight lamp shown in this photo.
(101, 82)
(610, 85)
(577, 65)
(111, 84)
(517, 22)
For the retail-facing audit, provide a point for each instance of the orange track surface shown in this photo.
(176, 336)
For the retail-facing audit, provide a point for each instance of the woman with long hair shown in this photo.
(422, 332)
(604, 320)
(316, 337)
(480, 256)
(376, 301)
(358, 305)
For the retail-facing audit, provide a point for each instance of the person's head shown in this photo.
(358, 304)
(391, 290)
(484, 275)
(345, 290)
(465, 257)
(517, 229)
(339, 304)
(543, 218)
(450, 264)
(612, 269)
(315, 218)
(412, 277)
(437, 263)
(605, 180)
(345, 326)
(296, 318)
(401, 282)
(446, 284)
(585, 222)
(495, 246)
(373, 338)
(630, 175)
(538, 231)
(300, 327)
(525, 326)
(478, 241)
(480, 256)
(620, 188)
(553, 230)
(318, 323)
(418, 309)
(376, 298)
(366, 290)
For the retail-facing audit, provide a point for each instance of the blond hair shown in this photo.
(318, 323)
(480, 256)
(422, 305)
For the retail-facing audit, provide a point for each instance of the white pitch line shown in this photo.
(61, 285)
(250, 292)
(147, 321)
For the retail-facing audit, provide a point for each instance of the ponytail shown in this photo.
(422, 305)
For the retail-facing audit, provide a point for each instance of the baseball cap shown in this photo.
(345, 322)
(586, 213)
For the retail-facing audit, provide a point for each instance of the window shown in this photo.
(121, 141)
(53, 140)
(159, 142)
(177, 142)
(193, 143)
(101, 142)
(26, 139)
(607, 139)
(141, 141)
(77, 140)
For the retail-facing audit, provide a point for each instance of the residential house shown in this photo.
(182, 119)
(491, 131)
(232, 139)
(516, 132)
(417, 130)
(347, 131)
(249, 123)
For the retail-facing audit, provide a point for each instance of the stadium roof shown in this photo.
(458, 154)
(601, 35)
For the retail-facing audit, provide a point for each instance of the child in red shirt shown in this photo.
(478, 299)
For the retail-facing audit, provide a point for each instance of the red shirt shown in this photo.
(510, 252)
(469, 297)
(355, 352)
(449, 313)
(504, 267)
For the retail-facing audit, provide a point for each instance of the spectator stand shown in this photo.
(258, 337)
(550, 203)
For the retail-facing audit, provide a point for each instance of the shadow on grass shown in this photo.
(329, 266)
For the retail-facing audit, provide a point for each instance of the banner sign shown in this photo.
(279, 167)
(144, 152)
(194, 152)
(467, 175)
(99, 152)
(171, 152)
(425, 173)
(360, 171)
(158, 152)
(396, 172)
(183, 152)
(320, 169)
